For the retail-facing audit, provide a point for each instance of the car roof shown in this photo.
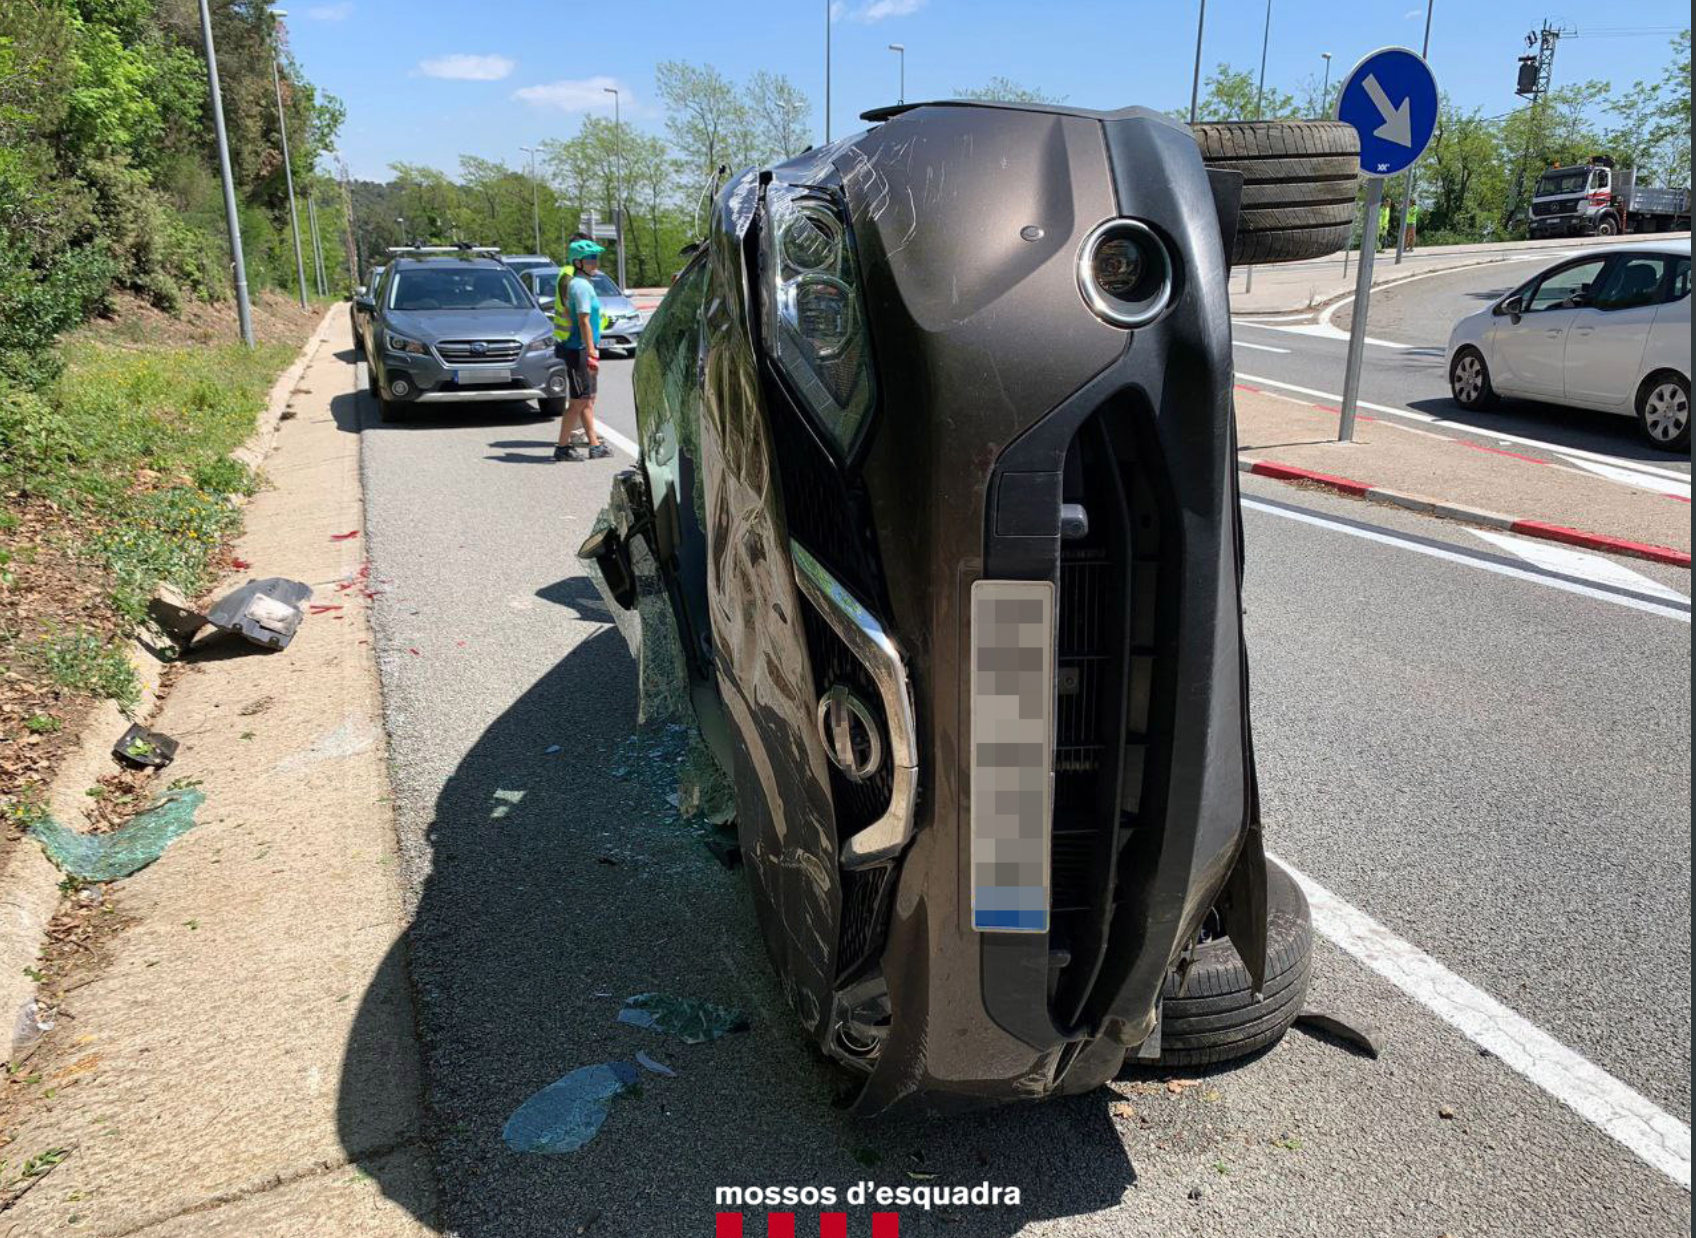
(1645, 247)
(467, 260)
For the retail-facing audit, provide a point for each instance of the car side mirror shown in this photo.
(1513, 306)
(546, 303)
(608, 551)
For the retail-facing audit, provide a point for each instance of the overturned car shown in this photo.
(937, 469)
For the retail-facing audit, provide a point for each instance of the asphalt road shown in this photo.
(1493, 768)
(1406, 364)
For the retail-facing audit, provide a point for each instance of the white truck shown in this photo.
(1597, 199)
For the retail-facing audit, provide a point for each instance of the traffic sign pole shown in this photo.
(1362, 296)
(1391, 100)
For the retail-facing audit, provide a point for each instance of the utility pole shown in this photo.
(1407, 181)
(535, 198)
(288, 170)
(323, 284)
(1260, 108)
(901, 50)
(827, 4)
(1195, 81)
(1536, 73)
(244, 313)
(618, 167)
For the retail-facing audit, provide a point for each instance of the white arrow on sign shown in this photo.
(1398, 121)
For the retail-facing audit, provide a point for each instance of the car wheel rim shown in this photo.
(1666, 412)
(1469, 379)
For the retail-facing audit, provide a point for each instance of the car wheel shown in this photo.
(1663, 411)
(1469, 380)
(1299, 179)
(1217, 1016)
(1607, 226)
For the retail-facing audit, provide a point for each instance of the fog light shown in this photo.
(1125, 273)
(399, 388)
(556, 383)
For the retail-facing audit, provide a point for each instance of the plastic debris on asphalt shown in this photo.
(127, 849)
(505, 802)
(144, 749)
(266, 612)
(655, 1067)
(692, 1021)
(569, 1112)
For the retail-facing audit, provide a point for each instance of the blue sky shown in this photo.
(425, 80)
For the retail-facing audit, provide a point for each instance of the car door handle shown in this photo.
(1583, 330)
(1555, 333)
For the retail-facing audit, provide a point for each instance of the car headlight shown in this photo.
(814, 324)
(542, 343)
(399, 343)
(1125, 273)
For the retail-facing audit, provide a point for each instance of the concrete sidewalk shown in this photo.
(198, 1075)
(1296, 286)
(1456, 476)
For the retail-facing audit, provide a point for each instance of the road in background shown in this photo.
(1494, 769)
(1406, 364)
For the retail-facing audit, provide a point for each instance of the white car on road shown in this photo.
(1605, 330)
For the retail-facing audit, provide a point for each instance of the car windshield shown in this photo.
(605, 286)
(543, 279)
(1567, 180)
(457, 288)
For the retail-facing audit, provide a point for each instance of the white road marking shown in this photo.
(1635, 477)
(1569, 562)
(1616, 1109)
(1571, 453)
(1259, 347)
(1323, 331)
(1647, 605)
(617, 440)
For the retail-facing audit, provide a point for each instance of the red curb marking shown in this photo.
(1678, 498)
(1246, 387)
(833, 1225)
(1287, 472)
(780, 1225)
(343, 537)
(1497, 451)
(1601, 541)
(727, 1225)
(886, 1225)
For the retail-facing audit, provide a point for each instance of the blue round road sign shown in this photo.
(1391, 100)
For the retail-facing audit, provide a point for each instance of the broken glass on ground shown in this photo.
(691, 1020)
(568, 1113)
(127, 849)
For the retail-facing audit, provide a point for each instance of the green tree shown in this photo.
(709, 124)
(779, 112)
(1000, 89)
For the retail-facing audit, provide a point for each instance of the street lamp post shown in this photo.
(535, 198)
(244, 314)
(1195, 81)
(618, 166)
(288, 171)
(901, 50)
(1325, 90)
(1407, 183)
(1260, 106)
(827, 4)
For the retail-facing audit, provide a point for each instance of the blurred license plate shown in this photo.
(466, 377)
(1012, 743)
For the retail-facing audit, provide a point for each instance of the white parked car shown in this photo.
(1609, 330)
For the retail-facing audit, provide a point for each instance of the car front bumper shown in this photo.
(533, 376)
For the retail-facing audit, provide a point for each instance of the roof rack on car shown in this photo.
(462, 248)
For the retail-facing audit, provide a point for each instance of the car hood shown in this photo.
(1472, 328)
(432, 325)
(617, 306)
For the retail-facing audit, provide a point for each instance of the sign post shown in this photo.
(1390, 98)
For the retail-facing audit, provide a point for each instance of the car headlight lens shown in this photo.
(399, 343)
(813, 322)
(542, 343)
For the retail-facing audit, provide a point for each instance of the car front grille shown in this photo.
(492, 352)
(1554, 208)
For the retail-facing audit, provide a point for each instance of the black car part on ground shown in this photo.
(1039, 416)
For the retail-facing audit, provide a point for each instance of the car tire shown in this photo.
(1299, 181)
(1469, 380)
(1663, 411)
(1217, 1016)
(1607, 226)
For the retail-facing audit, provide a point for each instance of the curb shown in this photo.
(1470, 515)
(29, 884)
